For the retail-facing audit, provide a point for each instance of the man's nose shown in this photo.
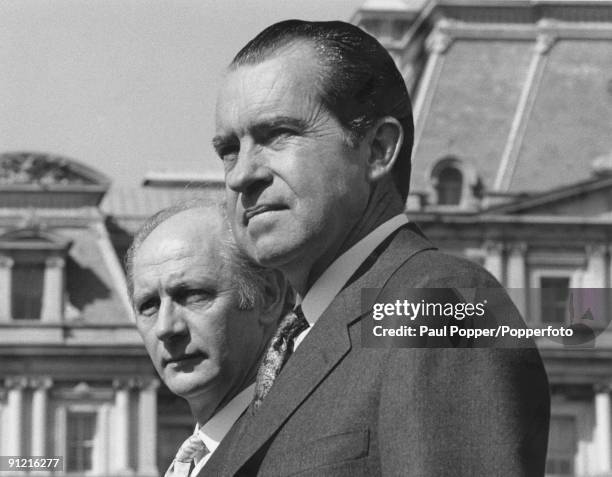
(250, 171)
(170, 321)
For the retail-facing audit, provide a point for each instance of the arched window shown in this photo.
(454, 183)
(449, 186)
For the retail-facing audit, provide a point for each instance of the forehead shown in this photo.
(284, 84)
(189, 242)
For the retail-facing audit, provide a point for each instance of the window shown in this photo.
(80, 432)
(449, 186)
(554, 299)
(561, 446)
(454, 183)
(27, 290)
(32, 274)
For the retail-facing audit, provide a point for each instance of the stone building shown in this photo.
(512, 167)
(75, 380)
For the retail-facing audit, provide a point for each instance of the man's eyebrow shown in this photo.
(279, 121)
(261, 127)
(219, 141)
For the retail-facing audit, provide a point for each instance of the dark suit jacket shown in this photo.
(338, 409)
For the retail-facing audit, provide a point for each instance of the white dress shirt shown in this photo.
(219, 425)
(333, 279)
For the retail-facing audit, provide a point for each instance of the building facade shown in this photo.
(512, 167)
(75, 380)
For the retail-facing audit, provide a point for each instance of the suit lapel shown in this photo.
(324, 346)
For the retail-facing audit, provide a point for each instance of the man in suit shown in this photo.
(206, 314)
(314, 128)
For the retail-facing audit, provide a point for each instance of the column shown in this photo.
(494, 259)
(602, 437)
(39, 415)
(121, 435)
(53, 290)
(147, 428)
(593, 295)
(516, 276)
(595, 276)
(6, 264)
(102, 455)
(14, 416)
(3, 427)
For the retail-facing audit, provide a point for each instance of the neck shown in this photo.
(384, 204)
(203, 409)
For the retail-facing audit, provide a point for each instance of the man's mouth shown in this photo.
(186, 358)
(260, 209)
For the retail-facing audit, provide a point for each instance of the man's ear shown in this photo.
(386, 138)
(273, 297)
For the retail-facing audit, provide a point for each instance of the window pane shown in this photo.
(27, 290)
(554, 295)
(450, 184)
(562, 446)
(80, 432)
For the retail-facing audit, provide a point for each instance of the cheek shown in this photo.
(209, 331)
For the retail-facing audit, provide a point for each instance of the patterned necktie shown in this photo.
(281, 347)
(191, 451)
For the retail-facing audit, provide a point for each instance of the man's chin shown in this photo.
(188, 387)
(271, 250)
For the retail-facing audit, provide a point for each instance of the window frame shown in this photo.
(34, 246)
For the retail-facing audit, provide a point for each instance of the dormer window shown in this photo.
(32, 275)
(449, 186)
(27, 279)
(453, 183)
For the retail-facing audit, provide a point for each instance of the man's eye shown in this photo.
(280, 133)
(228, 153)
(148, 307)
(192, 296)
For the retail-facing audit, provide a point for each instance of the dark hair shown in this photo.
(249, 278)
(358, 81)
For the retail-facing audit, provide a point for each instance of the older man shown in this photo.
(314, 128)
(205, 314)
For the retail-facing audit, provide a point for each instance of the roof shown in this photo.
(472, 108)
(393, 5)
(522, 94)
(571, 120)
(93, 293)
(140, 202)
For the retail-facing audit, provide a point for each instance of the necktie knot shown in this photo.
(292, 324)
(279, 350)
(192, 449)
(190, 452)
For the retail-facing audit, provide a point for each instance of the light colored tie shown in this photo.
(191, 451)
(281, 347)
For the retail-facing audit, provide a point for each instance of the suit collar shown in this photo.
(334, 279)
(322, 349)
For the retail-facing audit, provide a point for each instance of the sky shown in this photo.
(128, 86)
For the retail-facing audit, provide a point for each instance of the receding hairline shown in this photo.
(290, 48)
(203, 227)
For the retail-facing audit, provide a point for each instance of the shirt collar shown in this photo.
(333, 279)
(219, 425)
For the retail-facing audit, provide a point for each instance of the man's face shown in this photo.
(295, 188)
(187, 309)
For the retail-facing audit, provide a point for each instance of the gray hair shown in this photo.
(249, 278)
